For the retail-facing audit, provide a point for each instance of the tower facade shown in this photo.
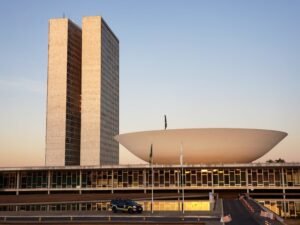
(100, 93)
(83, 93)
(63, 93)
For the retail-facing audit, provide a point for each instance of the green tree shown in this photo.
(280, 160)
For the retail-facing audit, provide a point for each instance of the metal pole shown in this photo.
(152, 198)
(152, 176)
(283, 191)
(182, 176)
(182, 184)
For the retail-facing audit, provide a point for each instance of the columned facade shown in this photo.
(277, 186)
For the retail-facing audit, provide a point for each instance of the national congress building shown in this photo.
(82, 170)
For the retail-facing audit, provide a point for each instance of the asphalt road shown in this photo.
(95, 197)
(238, 212)
(89, 219)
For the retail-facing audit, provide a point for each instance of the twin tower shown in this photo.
(83, 93)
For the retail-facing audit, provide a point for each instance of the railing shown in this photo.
(260, 213)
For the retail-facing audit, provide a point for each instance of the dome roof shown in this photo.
(201, 145)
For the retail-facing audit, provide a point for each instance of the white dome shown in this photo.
(203, 145)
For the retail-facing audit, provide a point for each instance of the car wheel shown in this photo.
(130, 210)
(114, 210)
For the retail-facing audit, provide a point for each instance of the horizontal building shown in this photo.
(277, 186)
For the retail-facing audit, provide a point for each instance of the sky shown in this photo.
(205, 64)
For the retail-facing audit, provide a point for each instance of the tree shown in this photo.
(280, 160)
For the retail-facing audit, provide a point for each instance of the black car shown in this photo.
(125, 205)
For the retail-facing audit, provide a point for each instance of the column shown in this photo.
(18, 182)
(80, 181)
(49, 181)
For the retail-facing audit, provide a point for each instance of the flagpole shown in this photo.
(152, 197)
(152, 175)
(182, 176)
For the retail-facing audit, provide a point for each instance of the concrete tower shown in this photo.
(63, 94)
(100, 93)
(83, 93)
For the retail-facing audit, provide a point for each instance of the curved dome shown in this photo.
(207, 145)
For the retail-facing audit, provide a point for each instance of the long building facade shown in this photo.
(277, 186)
(83, 93)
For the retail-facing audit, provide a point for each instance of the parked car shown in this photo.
(125, 205)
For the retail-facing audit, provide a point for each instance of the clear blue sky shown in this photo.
(203, 63)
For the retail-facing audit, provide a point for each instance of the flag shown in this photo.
(151, 155)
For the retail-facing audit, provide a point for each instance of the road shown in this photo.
(95, 197)
(238, 212)
(108, 219)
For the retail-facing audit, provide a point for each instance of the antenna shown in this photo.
(64, 16)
